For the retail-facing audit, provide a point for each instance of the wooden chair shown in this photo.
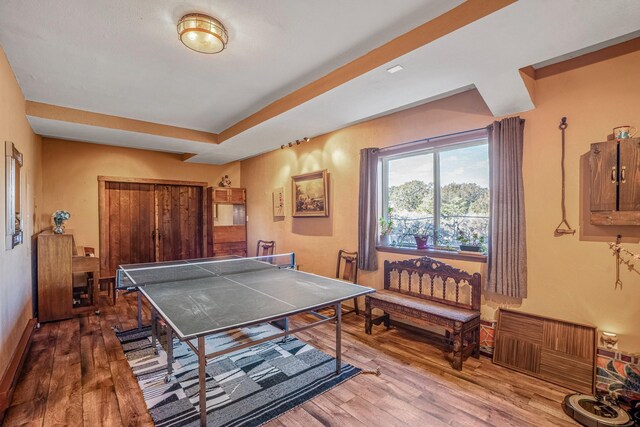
(84, 288)
(89, 251)
(348, 271)
(107, 282)
(265, 247)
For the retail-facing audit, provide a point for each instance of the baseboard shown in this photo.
(11, 375)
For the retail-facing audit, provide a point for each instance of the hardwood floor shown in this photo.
(76, 374)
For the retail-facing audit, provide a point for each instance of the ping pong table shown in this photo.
(198, 298)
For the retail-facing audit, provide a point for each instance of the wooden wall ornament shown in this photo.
(560, 231)
(278, 202)
(623, 256)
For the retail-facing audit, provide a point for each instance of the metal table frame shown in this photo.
(199, 348)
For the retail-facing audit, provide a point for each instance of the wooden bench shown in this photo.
(435, 293)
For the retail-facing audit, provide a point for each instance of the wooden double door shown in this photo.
(147, 221)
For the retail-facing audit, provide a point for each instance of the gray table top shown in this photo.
(210, 296)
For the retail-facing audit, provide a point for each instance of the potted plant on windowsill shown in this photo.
(421, 233)
(470, 241)
(386, 227)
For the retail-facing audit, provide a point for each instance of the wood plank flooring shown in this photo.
(76, 374)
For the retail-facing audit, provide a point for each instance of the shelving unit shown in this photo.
(226, 221)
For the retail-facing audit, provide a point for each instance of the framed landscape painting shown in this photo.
(309, 193)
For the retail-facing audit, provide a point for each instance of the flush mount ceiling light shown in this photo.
(202, 33)
(395, 69)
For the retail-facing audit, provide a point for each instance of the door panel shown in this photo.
(236, 195)
(130, 224)
(630, 174)
(603, 163)
(179, 222)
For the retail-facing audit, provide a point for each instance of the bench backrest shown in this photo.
(433, 280)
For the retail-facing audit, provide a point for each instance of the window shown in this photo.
(436, 192)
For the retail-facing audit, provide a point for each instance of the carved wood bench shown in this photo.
(432, 292)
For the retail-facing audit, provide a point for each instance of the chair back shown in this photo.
(265, 247)
(349, 260)
(89, 251)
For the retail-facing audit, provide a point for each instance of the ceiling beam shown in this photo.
(65, 114)
(458, 17)
(604, 54)
(506, 93)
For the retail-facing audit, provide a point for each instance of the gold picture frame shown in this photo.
(309, 193)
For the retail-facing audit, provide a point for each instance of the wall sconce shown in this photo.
(297, 142)
(609, 340)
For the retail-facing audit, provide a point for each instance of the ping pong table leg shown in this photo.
(202, 381)
(338, 308)
(139, 310)
(154, 330)
(169, 354)
(286, 329)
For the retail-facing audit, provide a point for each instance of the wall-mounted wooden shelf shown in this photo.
(615, 218)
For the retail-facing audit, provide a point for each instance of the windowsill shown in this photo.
(435, 253)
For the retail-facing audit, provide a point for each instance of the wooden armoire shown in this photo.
(149, 220)
(226, 221)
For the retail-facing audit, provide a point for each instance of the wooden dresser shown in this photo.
(57, 264)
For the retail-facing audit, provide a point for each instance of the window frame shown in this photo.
(433, 146)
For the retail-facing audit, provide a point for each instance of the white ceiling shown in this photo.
(83, 54)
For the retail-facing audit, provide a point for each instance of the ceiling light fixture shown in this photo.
(395, 69)
(202, 33)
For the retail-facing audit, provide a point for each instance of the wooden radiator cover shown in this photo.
(553, 350)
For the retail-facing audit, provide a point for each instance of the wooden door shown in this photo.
(629, 175)
(179, 219)
(129, 225)
(604, 176)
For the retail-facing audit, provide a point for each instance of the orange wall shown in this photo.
(16, 264)
(70, 170)
(570, 277)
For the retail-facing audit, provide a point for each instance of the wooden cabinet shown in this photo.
(226, 222)
(228, 195)
(615, 182)
(57, 264)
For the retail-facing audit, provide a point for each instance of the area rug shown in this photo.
(245, 388)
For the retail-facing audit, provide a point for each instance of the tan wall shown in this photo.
(570, 277)
(16, 264)
(70, 171)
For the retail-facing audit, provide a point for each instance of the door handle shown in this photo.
(622, 174)
(614, 175)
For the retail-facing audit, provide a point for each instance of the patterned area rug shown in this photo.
(245, 388)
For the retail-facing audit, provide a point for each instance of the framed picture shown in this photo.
(309, 194)
(278, 202)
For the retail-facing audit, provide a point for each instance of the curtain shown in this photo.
(367, 209)
(507, 261)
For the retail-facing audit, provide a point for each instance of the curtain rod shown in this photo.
(403, 144)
